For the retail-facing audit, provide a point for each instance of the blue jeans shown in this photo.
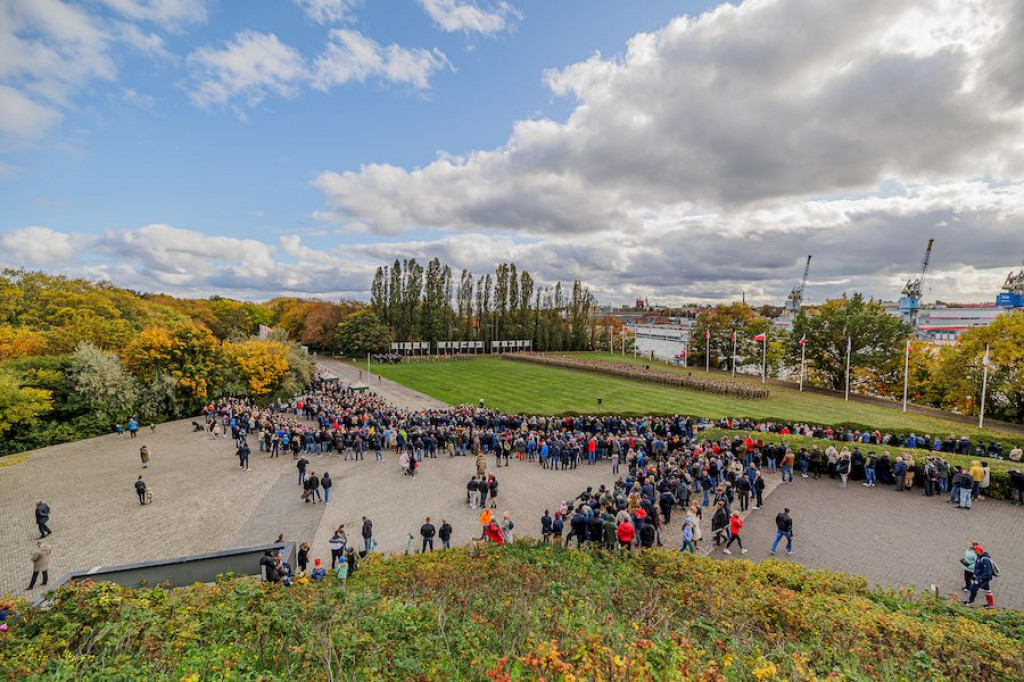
(779, 534)
(965, 497)
(771, 465)
(327, 495)
(787, 471)
(804, 465)
(943, 485)
(869, 475)
(688, 544)
(368, 544)
(954, 494)
(707, 500)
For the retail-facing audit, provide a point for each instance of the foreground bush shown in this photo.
(638, 373)
(521, 612)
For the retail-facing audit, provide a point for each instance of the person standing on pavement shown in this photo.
(337, 545)
(144, 456)
(968, 562)
(243, 456)
(326, 484)
(427, 532)
(301, 465)
(758, 490)
(783, 529)
(367, 535)
(40, 564)
(43, 518)
(445, 534)
(140, 490)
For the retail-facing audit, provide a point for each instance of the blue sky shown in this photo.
(676, 150)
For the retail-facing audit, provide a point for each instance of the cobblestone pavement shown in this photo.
(892, 538)
(392, 391)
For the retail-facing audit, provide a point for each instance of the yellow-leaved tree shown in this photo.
(263, 365)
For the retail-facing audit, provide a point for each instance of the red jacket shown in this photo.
(626, 532)
(735, 523)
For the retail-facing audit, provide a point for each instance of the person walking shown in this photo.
(40, 564)
(301, 465)
(367, 533)
(427, 532)
(444, 533)
(688, 527)
(43, 518)
(984, 571)
(720, 523)
(326, 483)
(243, 456)
(140, 490)
(783, 529)
(735, 526)
(144, 456)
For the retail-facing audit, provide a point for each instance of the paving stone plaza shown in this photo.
(204, 502)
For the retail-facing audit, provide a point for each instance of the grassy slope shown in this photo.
(519, 387)
(525, 611)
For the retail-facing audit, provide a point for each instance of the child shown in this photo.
(735, 524)
(342, 570)
(318, 570)
(688, 536)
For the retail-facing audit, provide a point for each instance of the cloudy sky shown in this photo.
(683, 151)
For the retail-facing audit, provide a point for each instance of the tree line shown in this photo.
(946, 376)
(427, 304)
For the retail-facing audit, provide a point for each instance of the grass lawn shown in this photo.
(521, 387)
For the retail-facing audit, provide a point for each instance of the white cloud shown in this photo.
(250, 66)
(37, 246)
(352, 56)
(169, 13)
(329, 11)
(51, 51)
(718, 151)
(466, 16)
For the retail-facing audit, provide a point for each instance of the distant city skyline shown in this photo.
(682, 152)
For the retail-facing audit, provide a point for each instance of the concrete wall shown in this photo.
(185, 570)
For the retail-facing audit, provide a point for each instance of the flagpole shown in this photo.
(984, 386)
(707, 354)
(803, 355)
(906, 375)
(734, 353)
(849, 345)
(764, 356)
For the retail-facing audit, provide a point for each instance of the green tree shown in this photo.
(360, 333)
(876, 341)
(103, 383)
(957, 372)
(722, 321)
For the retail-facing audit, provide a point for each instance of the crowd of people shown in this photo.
(662, 466)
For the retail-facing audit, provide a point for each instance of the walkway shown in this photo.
(392, 391)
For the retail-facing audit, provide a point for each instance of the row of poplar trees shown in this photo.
(426, 304)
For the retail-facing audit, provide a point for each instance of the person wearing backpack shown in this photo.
(984, 571)
(445, 534)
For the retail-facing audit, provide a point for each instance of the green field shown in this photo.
(520, 387)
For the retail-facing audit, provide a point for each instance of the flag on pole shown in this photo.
(734, 336)
(707, 334)
(759, 337)
(803, 340)
(985, 362)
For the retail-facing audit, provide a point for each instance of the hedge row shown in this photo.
(639, 373)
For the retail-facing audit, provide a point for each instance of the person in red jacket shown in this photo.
(735, 525)
(625, 532)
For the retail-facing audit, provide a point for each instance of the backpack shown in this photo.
(512, 525)
(995, 569)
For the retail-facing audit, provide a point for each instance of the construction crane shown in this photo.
(910, 303)
(1014, 290)
(795, 300)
